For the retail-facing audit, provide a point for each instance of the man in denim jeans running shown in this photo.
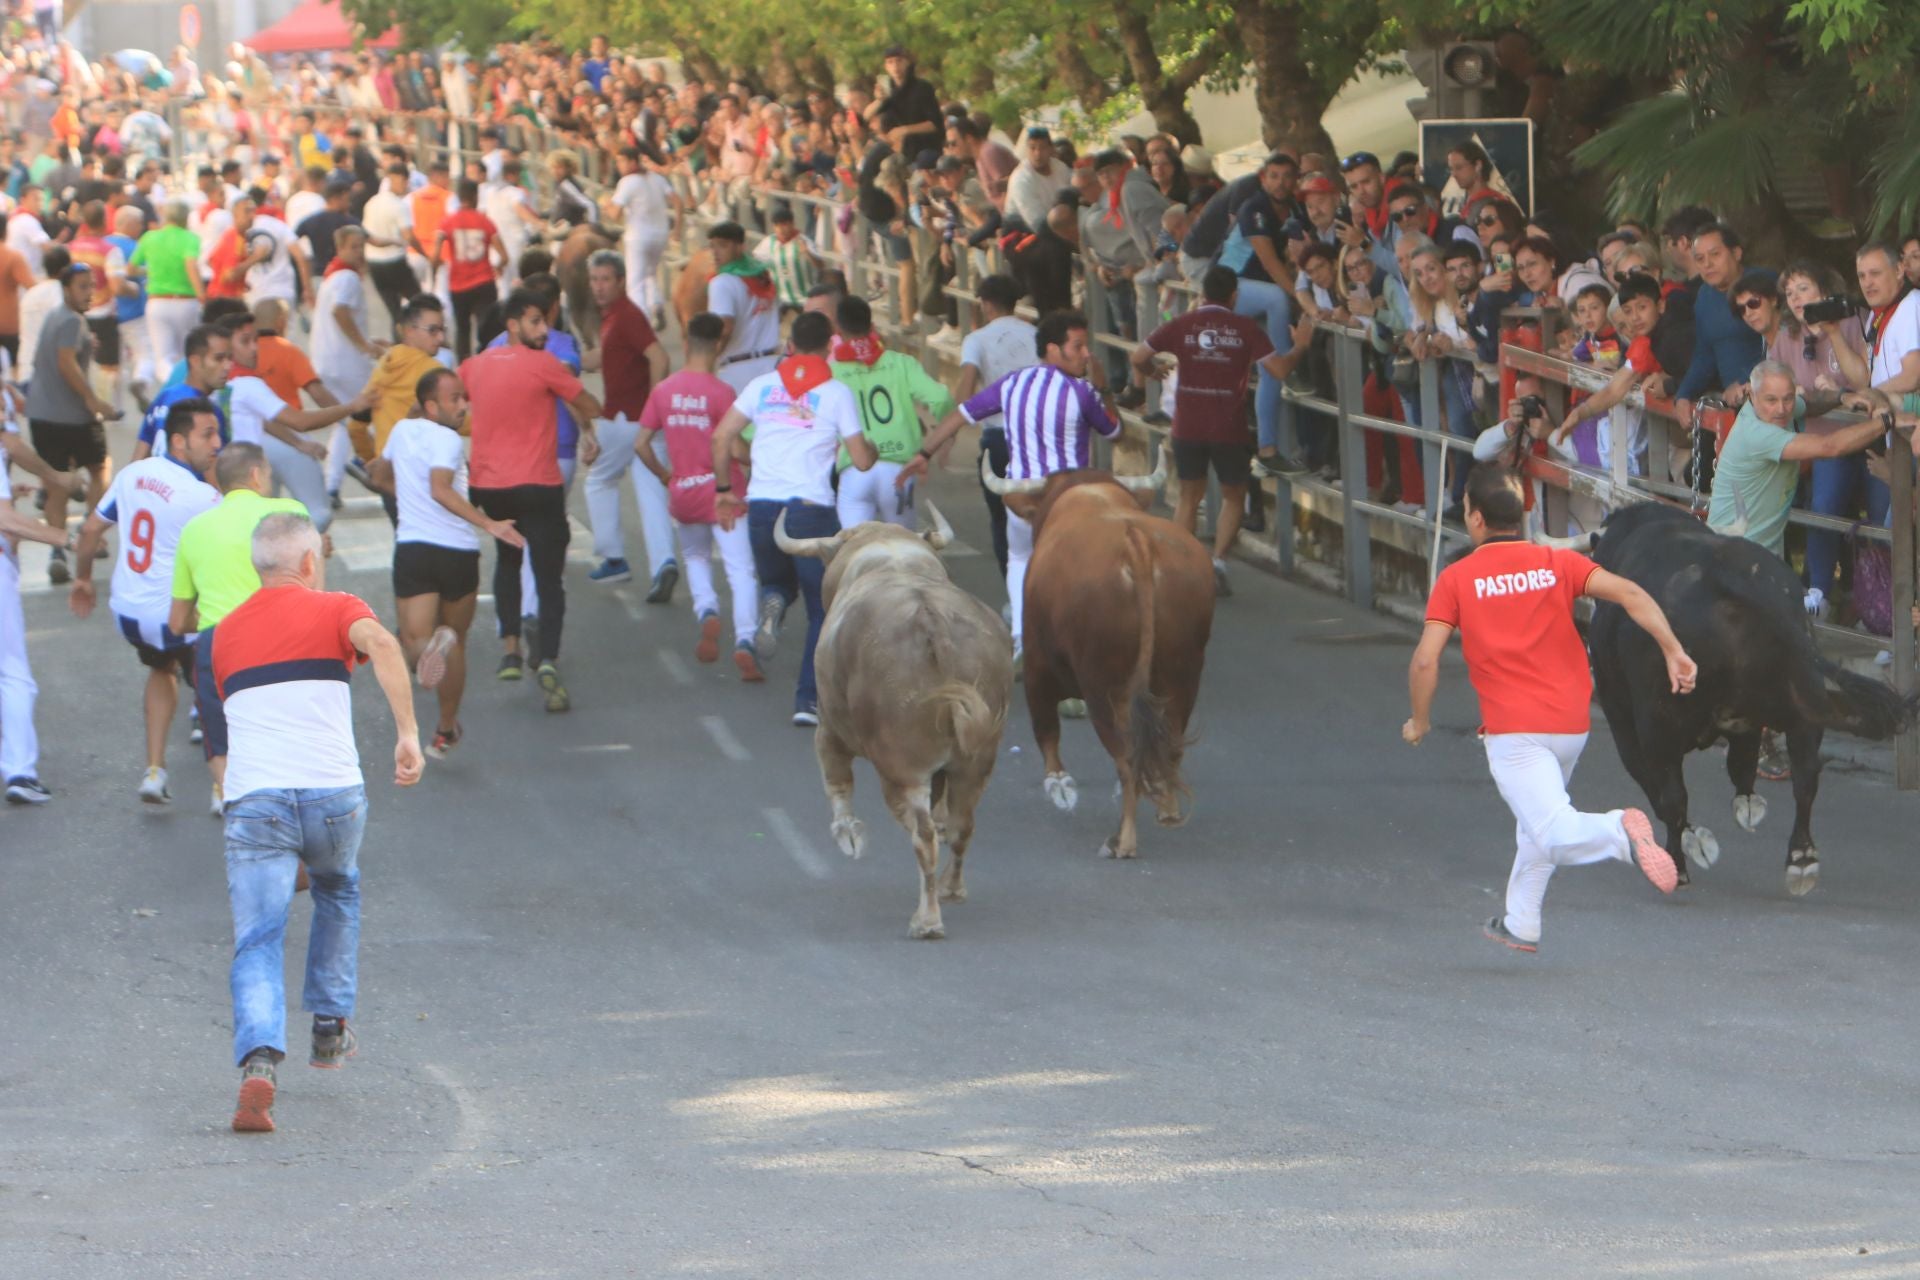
(281, 663)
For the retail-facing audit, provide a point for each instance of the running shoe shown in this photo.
(358, 470)
(333, 1044)
(1221, 587)
(217, 802)
(1279, 466)
(611, 570)
(254, 1114)
(766, 638)
(1496, 929)
(664, 583)
(57, 572)
(511, 667)
(195, 734)
(27, 790)
(708, 650)
(432, 667)
(807, 715)
(1655, 862)
(153, 786)
(747, 662)
(557, 699)
(444, 740)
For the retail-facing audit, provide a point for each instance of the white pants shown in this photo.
(136, 347)
(529, 593)
(19, 746)
(1019, 551)
(169, 320)
(644, 253)
(303, 477)
(617, 459)
(736, 552)
(339, 449)
(870, 495)
(1532, 771)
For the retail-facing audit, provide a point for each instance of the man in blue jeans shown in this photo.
(281, 663)
(800, 417)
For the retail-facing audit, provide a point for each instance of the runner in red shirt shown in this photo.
(1216, 352)
(468, 239)
(1512, 603)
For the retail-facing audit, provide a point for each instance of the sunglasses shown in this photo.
(1407, 214)
(1487, 220)
(1751, 304)
(431, 328)
(1357, 159)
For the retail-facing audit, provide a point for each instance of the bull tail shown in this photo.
(1153, 747)
(967, 719)
(1823, 691)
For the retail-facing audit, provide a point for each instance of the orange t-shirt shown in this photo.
(429, 211)
(15, 275)
(284, 368)
(1512, 603)
(224, 257)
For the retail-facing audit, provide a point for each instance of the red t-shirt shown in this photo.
(514, 392)
(685, 408)
(469, 234)
(223, 258)
(1217, 351)
(1512, 603)
(625, 336)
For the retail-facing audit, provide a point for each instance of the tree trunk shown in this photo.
(697, 64)
(1285, 90)
(1163, 94)
(1078, 73)
(817, 70)
(782, 79)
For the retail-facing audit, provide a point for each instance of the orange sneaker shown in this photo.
(255, 1112)
(708, 650)
(1655, 862)
(748, 662)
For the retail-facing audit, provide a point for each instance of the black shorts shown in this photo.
(175, 653)
(69, 445)
(106, 339)
(428, 569)
(1233, 462)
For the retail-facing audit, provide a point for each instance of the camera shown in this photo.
(1827, 310)
(1527, 408)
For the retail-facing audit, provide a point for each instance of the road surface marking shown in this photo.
(603, 746)
(626, 598)
(676, 667)
(730, 746)
(803, 853)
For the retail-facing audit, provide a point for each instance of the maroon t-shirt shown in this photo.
(1217, 351)
(625, 336)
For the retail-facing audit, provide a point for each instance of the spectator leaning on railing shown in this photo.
(1724, 348)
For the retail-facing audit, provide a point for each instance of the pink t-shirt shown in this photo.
(685, 409)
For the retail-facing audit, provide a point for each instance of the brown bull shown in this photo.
(914, 675)
(1119, 606)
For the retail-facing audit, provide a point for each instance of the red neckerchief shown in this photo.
(1877, 323)
(864, 350)
(334, 265)
(801, 374)
(1377, 219)
(1114, 215)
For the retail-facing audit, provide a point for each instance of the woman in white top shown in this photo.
(647, 204)
(1438, 332)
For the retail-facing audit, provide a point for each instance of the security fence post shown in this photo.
(1906, 751)
(1347, 375)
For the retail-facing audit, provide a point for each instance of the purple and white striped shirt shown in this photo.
(1049, 416)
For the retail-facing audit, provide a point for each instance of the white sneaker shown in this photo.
(218, 803)
(1816, 602)
(944, 334)
(153, 786)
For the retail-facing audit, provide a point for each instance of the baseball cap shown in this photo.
(1317, 184)
(1110, 157)
(75, 271)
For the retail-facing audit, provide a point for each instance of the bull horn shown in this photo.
(820, 548)
(942, 533)
(1005, 487)
(1581, 542)
(1151, 483)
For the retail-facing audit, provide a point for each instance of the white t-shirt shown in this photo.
(27, 237)
(251, 405)
(795, 442)
(1901, 337)
(209, 222)
(756, 321)
(302, 205)
(502, 205)
(643, 202)
(151, 500)
(338, 362)
(36, 304)
(276, 277)
(416, 448)
(389, 217)
(996, 349)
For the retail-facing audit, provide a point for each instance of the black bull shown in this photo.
(1737, 609)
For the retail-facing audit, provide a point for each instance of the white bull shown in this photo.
(914, 675)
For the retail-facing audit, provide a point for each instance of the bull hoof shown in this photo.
(1700, 846)
(953, 893)
(851, 835)
(1750, 811)
(926, 930)
(1803, 872)
(1062, 791)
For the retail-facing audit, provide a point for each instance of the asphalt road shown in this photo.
(626, 1011)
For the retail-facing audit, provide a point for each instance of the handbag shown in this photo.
(1873, 583)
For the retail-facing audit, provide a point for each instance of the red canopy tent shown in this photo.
(317, 26)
